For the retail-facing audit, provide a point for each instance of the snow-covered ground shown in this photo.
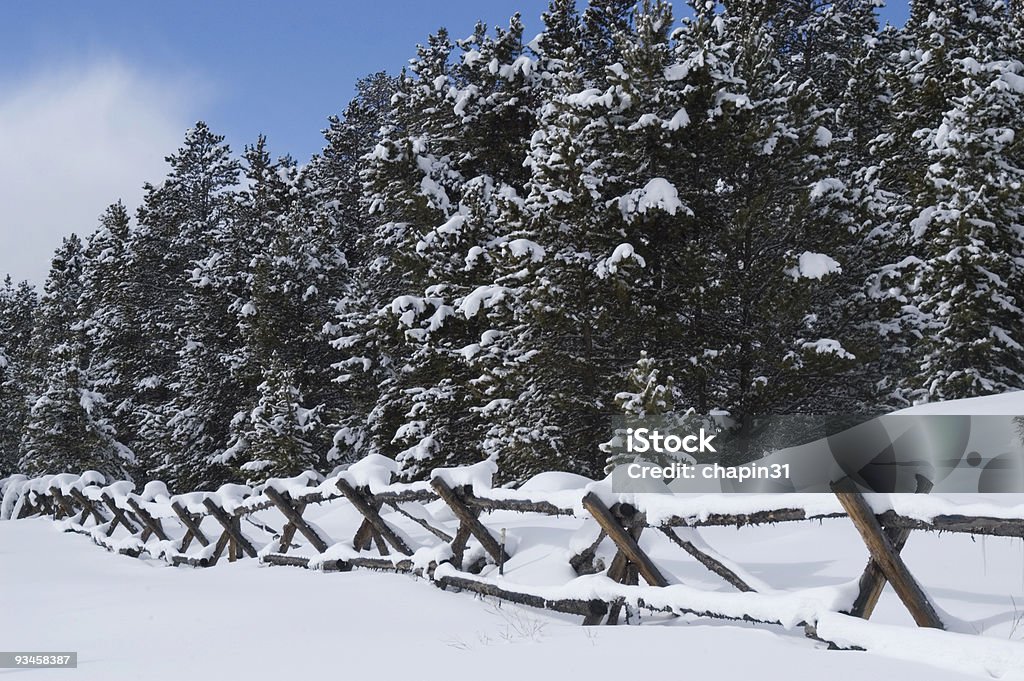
(140, 620)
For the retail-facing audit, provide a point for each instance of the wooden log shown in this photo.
(295, 518)
(282, 559)
(288, 532)
(87, 505)
(881, 549)
(63, 507)
(623, 571)
(469, 519)
(403, 566)
(623, 540)
(362, 538)
(233, 543)
(190, 524)
(218, 549)
(586, 608)
(518, 506)
(186, 541)
(190, 561)
(585, 562)
(231, 528)
(373, 517)
(379, 542)
(119, 516)
(44, 504)
(977, 525)
(994, 527)
(148, 520)
(780, 515)
(872, 580)
(707, 560)
(25, 508)
(462, 536)
(439, 533)
(423, 496)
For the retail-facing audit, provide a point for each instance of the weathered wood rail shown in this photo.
(454, 544)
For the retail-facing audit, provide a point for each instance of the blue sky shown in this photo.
(114, 84)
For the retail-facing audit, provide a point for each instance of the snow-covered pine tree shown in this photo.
(337, 178)
(109, 333)
(409, 181)
(17, 311)
(573, 260)
(291, 274)
(845, 57)
(932, 69)
(758, 338)
(181, 374)
(970, 285)
(464, 129)
(603, 23)
(360, 360)
(646, 395)
(281, 433)
(66, 430)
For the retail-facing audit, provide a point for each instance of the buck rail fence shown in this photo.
(438, 529)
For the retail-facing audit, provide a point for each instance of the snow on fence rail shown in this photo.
(437, 529)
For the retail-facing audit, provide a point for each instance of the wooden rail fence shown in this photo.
(199, 529)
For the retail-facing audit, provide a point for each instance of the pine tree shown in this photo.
(756, 325)
(439, 177)
(17, 311)
(110, 333)
(603, 24)
(935, 66)
(971, 280)
(290, 274)
(66, 429)
(359, 359)
(566, 264)
(646, 396)
(281, 431)
(184, 396)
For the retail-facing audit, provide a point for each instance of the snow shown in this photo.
(11, 494)
(119, 612)
(1006, 404)
(813, 266)
(485, 296)
(657, 194)
(294, 486)
(232, 496)
(680, 120)
(127, 620)
(828, 346)
(826, 187)
(622, 253)
(552, 481)
(1014, 81)
(374, 472)
(479, 476)
(524, 247)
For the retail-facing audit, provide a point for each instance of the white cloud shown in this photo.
(74, 140)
